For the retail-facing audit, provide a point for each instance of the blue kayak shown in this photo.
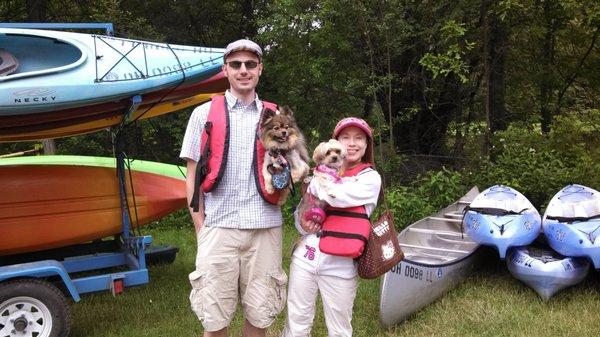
(53, 70)
(544, 270)
(572, 222)
(502, 217)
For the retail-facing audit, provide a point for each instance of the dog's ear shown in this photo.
(267, 114)
(319, 153)
(286, 111)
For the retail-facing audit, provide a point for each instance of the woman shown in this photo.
(334, 277)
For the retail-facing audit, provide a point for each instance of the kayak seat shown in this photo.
(8, 63)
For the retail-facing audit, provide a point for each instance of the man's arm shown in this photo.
(197, 217)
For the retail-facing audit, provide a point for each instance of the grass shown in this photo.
(489, 303)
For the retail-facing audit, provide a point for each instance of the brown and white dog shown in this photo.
(284, 145)
(329, 157)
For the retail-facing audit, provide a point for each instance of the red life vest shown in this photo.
(345, 230)
(215, 148)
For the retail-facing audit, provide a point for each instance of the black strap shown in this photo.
(493, 211)
(343, 235)
(292, 188)
(572, 219)
(347, 214)
(201, 169)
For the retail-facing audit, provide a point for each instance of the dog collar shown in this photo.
(330, 171)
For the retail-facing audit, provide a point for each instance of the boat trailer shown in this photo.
(30, 301)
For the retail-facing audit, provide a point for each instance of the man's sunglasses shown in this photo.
(238, 64)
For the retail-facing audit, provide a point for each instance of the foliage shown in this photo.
(536, 164)
(539, 165)
(451, 61)
(424, 196)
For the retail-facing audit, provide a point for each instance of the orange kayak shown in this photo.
(56, 201)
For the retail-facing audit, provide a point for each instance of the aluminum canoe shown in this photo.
(55, 201)
(437, 257)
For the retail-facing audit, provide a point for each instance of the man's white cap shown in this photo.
(243, 44)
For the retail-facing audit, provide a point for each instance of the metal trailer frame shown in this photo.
(132, 256)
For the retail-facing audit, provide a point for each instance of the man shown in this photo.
(238, 232)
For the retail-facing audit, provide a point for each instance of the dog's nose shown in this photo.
(284, 132)
(334, 158)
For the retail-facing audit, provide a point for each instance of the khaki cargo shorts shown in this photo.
(232, 263)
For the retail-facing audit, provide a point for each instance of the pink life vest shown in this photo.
(215, 147)
(345, 231)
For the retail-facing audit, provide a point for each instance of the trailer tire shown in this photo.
(33, 305)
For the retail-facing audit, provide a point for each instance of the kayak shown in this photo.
(96, 125)
(55, 201)
(502, 217)
(437, 257)
(58, 79)
(546, 271)
(571, 222)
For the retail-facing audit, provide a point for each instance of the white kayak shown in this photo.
(437, 256)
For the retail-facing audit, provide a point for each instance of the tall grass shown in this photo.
(489, 303)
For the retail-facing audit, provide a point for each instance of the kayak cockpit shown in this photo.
(8, 63)
(29, 55)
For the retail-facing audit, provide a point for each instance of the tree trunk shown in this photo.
(498, 46)
(495, 44)
(36, 10)
(486, 73)
(547, 60)
(49, 146)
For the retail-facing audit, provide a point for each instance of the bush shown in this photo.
(427, 194)
(539, 165)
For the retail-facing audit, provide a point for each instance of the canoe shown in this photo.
(96, 125)
(544, 270)
(502, 217)
(67, 78)
(55, 201)
(437, 257)
(571, 222)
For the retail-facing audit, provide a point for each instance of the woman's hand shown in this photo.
(310, 226)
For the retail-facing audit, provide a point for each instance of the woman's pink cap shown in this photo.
(352, 121)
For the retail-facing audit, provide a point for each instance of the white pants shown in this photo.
(338, 297)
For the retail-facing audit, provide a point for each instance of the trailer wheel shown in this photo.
(33, 307)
